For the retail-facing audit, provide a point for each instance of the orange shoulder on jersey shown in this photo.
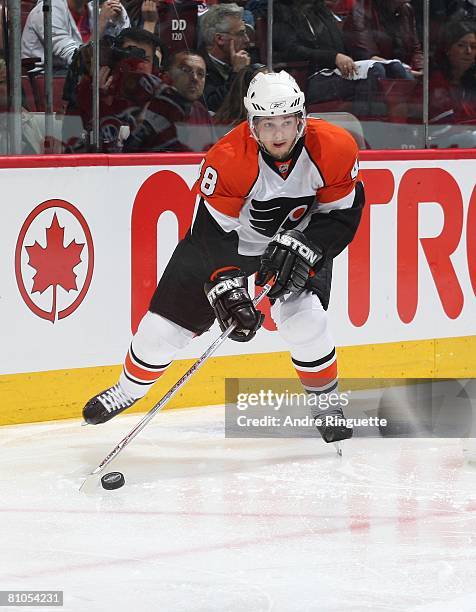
(335, 153)
(229, 170)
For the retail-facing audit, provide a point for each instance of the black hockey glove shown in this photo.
(289, 257)
(228, 295)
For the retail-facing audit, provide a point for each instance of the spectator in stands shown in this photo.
(308, 30)
(248, 16)
(175, 119)
(72, 26)
(453, 76)
(149, 23)
(441, 11)
(173, 21)
(340, 8)
(233, 111)
(153, 50)
(127, 82)
(142, 13)
(463, 10)
(112, 50)
(259, 8)
(136, 8)
(32, 138)
(225, 38)
(385, 30)
(149, 15)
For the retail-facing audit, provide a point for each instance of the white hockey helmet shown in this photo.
(273, 94)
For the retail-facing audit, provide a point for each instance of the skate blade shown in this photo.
(338, 448)
(84, 423)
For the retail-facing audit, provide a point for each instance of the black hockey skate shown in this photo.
(106, 405)
(329, 425)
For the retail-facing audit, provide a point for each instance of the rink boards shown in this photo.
(84, 240)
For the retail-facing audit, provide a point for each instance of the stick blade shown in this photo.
(90, 484)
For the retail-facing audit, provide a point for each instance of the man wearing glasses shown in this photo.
(175, 119)
(226, 41)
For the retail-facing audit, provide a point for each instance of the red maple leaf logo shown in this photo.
(54, 264)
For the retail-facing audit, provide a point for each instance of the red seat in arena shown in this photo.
(26, 6)
(28, 97)
(398, 96)
(38, 87)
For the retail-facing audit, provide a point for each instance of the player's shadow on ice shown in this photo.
(149, 460)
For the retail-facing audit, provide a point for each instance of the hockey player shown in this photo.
(279, 196)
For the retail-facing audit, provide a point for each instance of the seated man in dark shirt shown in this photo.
(224, 35)
(175, 119)
(308, 30)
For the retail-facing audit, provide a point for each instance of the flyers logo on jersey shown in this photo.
(270, 216)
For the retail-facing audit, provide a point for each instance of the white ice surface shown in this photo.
(211, 524)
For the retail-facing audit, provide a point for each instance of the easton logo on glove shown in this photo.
(223, 287)
(289, 257)
(228, 295)
(304, 251)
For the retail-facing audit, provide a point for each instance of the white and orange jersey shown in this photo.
(244, 191)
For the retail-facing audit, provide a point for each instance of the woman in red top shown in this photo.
(453, 79)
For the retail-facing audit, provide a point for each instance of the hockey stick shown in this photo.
(161, 403)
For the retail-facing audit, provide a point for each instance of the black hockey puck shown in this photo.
(113, 480)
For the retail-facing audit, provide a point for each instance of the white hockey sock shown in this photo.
(302, 322)
(152, 349)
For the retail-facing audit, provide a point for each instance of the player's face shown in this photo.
(277, 135)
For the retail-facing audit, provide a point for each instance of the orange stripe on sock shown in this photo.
(140, 373)
(330, 373)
